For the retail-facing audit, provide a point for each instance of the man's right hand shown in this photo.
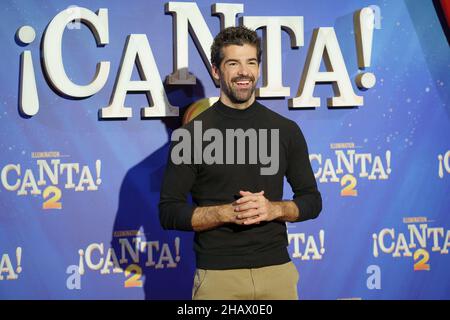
(210, 217)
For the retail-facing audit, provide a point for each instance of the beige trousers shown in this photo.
(278, 282)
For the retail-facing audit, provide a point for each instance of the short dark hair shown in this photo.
(234, 36)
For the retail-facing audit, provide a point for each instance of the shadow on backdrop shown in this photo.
(138, 211)
(425, 14)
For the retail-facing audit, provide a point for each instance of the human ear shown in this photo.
(215, 72)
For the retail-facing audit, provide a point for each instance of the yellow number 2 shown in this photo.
(422, 264)
(52, 202)
(349, 189)
(134, 280)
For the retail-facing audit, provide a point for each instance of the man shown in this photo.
(238, 214)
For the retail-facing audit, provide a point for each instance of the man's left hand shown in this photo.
(255, 207)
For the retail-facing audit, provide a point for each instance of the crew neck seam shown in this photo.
(246, 114)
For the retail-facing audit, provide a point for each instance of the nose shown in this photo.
(243, 70)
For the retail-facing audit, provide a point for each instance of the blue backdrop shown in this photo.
(383, 168)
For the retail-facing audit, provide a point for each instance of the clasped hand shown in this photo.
(252, 208)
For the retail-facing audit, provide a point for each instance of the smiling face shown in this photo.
(238, 73)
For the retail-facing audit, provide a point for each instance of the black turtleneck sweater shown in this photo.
(233, 246)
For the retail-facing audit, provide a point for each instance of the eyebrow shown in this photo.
(236, 60)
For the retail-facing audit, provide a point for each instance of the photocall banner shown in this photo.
(92, 90)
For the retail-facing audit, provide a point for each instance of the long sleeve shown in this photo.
(300, 176)
(175, 212)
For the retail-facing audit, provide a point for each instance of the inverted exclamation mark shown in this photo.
(98, 169)
(322, 241)
(177, 249)
(28, 96)
(81, 262)
(441, 168)
(19, 259)
(364, 23)
(375, 245)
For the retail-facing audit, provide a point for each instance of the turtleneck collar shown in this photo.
(236, 113)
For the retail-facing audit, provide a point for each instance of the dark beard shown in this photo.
(233, 94)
